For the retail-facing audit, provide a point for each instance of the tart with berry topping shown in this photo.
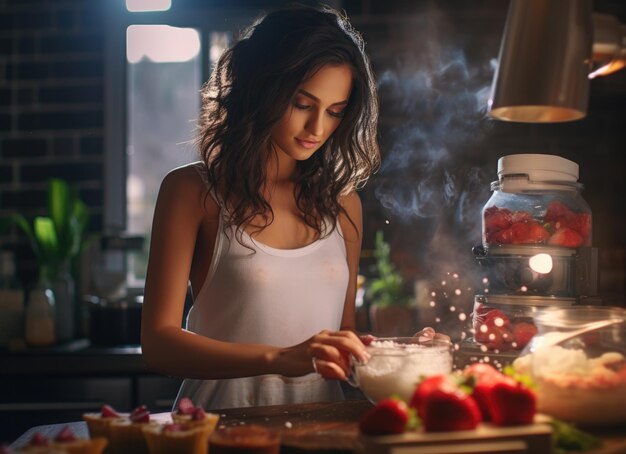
(65, 442)
(99, 423)
(40, 444)
(126, 434)
(194, 416)
(178, 438)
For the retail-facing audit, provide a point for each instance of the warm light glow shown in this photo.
(161, 43)
(541, 263)
(137, 6)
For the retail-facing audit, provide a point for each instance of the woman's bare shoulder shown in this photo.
(187, 185)
(351, 203)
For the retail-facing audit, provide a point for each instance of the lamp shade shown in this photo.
(544, 62)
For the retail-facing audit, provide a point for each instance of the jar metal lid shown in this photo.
(523, 300)
(538, 167)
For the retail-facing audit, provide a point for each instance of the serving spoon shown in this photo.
(587, 328)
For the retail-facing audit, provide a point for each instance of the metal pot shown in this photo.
(115, 322)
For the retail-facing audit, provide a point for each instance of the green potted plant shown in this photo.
(57, 240)
(392, 309)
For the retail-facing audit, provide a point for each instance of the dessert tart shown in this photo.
(99, 423)
(126, 434)
(189, 414)
(183, 438)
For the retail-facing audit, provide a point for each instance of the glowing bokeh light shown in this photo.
(541, 263)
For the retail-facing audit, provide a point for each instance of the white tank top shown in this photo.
(260, 294)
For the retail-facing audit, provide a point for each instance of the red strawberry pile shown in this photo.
(559, 227)
(458, 401)
(496, 331)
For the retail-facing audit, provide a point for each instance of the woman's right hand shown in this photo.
(327, 353)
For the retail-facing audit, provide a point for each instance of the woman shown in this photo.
(267, 228)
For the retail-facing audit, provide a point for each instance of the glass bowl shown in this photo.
(581, 378)
(397, 364)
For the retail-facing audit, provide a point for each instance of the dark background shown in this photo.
(433, 61)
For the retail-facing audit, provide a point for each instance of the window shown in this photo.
(156, 64)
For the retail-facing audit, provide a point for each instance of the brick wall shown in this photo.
(52, 116)
(51, 108)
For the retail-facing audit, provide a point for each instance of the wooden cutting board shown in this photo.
(332, 427)
(531, 439)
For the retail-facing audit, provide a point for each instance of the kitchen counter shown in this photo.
(316, 427)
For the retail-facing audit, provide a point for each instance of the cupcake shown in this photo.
(187, 413)
(67, 441)
(39, 444)
(126, 434)
(98, 423)
(173, 438)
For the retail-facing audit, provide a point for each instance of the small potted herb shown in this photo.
(392, 308)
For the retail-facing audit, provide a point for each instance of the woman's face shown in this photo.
(315, 112)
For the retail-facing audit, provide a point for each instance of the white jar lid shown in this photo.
(538, 167)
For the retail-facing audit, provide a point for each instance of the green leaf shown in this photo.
(46, 236)
(568, 438)
(60, 203)
(23, 224)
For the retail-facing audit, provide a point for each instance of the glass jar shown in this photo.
(536, 200)
(40, 316)
(580, 378)
(507, 322)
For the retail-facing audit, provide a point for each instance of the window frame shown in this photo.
(117, 19)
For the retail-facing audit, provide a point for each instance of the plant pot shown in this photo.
(392, 321)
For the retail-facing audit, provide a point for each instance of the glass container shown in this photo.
(536, 200)
(579, 378)
(507, 322)
(397, 364)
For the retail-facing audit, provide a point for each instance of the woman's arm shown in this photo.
(353, 238)
(171, 350)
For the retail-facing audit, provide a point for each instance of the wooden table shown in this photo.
(316, 427)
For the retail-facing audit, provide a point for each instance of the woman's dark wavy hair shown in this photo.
(248, 93)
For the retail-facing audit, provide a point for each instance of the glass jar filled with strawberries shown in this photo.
(536, 200)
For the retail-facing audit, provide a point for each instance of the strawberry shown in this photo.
(66, 435)
(557, 211)
(484, 376)
(448, 408)
(504, 236)
(496, 218)
(38, 439)
(388, 416)
(523, 332)
(493, 329)
(443, 404)
(581, 222)
(198, 414)
(511, 403)
(566, 237)
(520, 232)
(501, 398)
(185, 406)
(425, 387)
(140, 414)
(535, 233)
(108, 412)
